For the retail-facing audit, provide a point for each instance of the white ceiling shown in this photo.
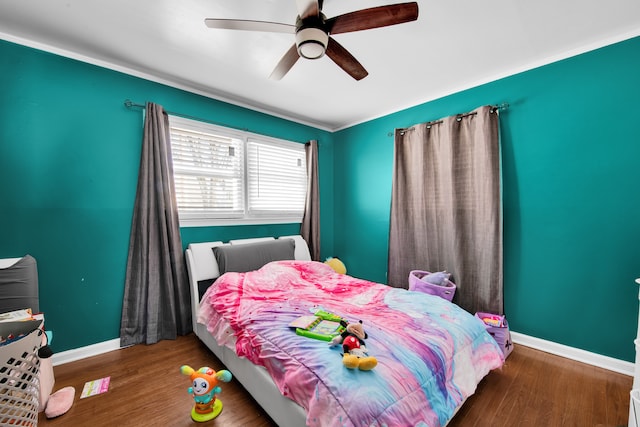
(454, 45)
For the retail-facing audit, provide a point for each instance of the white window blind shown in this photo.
(225, 176)
(277, 178)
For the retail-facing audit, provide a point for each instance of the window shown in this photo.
(225, 176)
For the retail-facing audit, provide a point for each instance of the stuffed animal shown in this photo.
(355, 353)
(337, 265)
(204, 390)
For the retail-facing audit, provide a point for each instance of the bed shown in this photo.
(245, 293)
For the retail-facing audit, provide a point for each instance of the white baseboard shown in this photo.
(84, 352)
(606, 362)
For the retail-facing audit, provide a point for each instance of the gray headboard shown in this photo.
(203, 266)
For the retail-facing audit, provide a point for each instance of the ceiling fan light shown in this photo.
(311, 42)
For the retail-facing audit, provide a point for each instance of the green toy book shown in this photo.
(321, 326)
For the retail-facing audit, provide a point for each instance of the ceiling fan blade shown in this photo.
(345, 60)
(285, 63)
(241, 24)
(307, 8)
(374, 17)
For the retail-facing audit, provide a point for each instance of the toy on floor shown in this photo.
(355, 353)
(204, 390)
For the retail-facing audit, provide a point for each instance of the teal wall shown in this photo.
(69, 154)
(69, 157)
(570, 152)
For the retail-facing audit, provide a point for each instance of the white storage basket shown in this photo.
(19, 374)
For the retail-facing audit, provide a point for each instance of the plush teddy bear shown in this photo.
(355, 353)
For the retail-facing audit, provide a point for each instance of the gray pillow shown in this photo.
(251, 256)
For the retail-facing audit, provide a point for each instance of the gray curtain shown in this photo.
(310, 227)
(156, 295)
(446, 210)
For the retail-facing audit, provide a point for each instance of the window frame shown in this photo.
(246, 137)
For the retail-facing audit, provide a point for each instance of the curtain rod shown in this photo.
(500, 107)
(130, 104)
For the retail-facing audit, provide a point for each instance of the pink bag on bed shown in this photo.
(432, 283)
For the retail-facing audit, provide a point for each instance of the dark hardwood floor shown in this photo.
(147, 389)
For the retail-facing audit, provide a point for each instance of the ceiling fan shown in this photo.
(313, 32)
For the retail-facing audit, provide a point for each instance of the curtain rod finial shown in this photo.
(130, 104)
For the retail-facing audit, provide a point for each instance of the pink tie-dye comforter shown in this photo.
(431, 353)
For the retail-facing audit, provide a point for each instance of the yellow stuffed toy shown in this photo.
(337, 265)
